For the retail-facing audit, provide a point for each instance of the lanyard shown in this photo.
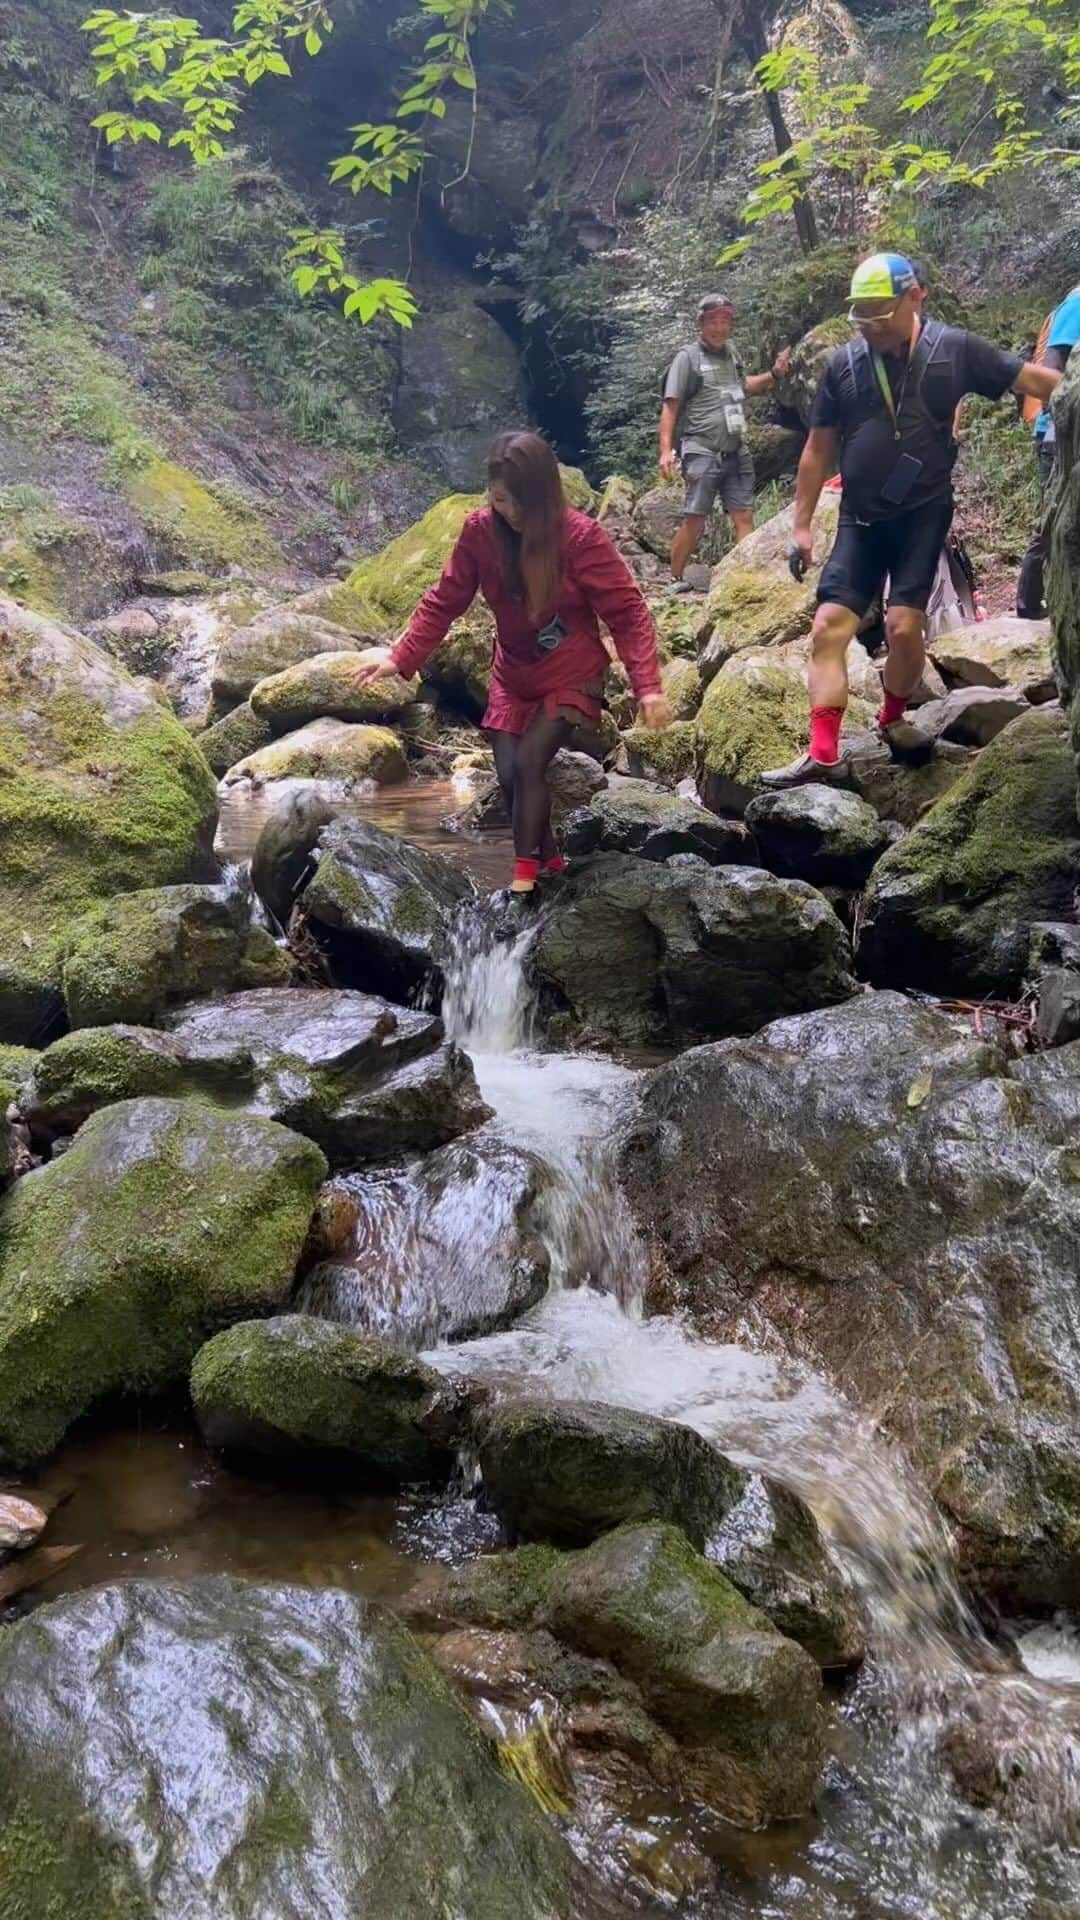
(895, 409)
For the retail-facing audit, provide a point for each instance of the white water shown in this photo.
(894, 1841)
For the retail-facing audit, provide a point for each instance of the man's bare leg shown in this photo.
(685, 543)
(833, 631)
(742, 519)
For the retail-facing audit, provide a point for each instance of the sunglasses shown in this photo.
(872, 319)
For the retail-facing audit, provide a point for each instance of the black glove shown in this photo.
(796, 560)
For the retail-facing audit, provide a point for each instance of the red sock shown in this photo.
(825, 734)
(555, 865)
(893, 707)
(526, 870)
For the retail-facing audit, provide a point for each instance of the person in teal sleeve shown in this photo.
(1063, 335)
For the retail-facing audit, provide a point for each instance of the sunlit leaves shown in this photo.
(316, 261)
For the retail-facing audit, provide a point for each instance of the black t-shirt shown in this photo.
(949, 363)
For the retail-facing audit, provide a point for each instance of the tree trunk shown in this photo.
(750, 31)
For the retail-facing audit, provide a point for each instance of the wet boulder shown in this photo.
(228, 1751)
(325, 687)
(329, 750)
(385, 910)
(133, 957)
(666, 756)
(445, 1250)
(238, 734)
(901, 790)
(752, 600)
(272, 643)
(817, 833)
(971, 716)
(163, 1222)
(298, 1387)
(568, 1471)
(951, 908)
(896, 1200)
(743, 1702)
(101, 790)
(1004, 652)
(755, 715)
(633, 817)
(286, 851)
(366, 1081)
(770, 1547)
(635, 951)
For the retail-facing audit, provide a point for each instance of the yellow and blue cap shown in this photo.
(885, 276)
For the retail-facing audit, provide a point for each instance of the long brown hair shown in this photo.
(532, 559)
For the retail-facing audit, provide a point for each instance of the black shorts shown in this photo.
(906, 548)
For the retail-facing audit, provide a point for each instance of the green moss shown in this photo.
(501, 1589)
(414, 911)
(669, 756)
(742, 729)
(677, 623)
(179, 508)
(163, 1222)
(16, 1066)
(391, 582)
(577, 491)
(312, 1384)
(330, 750)
(50, 1867)
(140, 952)
(240, 733)
(263, 963)
(752, 608)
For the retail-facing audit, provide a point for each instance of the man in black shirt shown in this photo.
(885, 408)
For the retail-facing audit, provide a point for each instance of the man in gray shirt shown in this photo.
(703, 426)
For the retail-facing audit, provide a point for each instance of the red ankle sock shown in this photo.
(526, 870)
(825, 734)
(555, 865)
(893, 707)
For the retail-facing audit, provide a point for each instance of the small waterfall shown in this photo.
(488, 1005)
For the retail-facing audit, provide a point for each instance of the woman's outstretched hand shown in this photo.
(375, 664)
(656, 713)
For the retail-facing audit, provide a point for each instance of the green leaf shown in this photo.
(466, 78)
(312, 42)
(305, 278)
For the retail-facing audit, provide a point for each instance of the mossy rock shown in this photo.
(668, 756)
(578, 491)
(743, 1701)
(164, 1222)
(682, 684)
(271, 643)
(677, 618)
(101, 790)
(755, 714)
(798, 389)
(297, 1386)
(176, 506)
(951, 907)
(392, 582)
(54, 564)
(17, 1066)
(337, 1771)
(753, 600)
(136, 955)
(241, 733)
(325, 687)
(329, 750)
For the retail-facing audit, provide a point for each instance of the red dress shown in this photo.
(596, 585)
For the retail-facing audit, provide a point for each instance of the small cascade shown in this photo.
(488, 1004)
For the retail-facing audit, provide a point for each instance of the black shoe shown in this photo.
(803, 772)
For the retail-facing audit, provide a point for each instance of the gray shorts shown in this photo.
(728, 477)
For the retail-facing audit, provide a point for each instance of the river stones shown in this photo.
(326, 686)
(753, 602)
(817, 833)
(228, 1751)
(568, 1471)
(272, 643)
(328, 750)
(164, 1221)
(1005, 652)
(743, 1702)
(770, 1547)
(102, 789)
(634, 817)
(286, 851)
(897, 1202)
(297, 1387)
(448, 1249)
(134, 956)
(232, 738)
(635, 951)
(366, 1081)
(385, 910)
(951, 908)
(971, 716)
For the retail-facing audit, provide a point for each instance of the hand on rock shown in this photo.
(656, 713)
(375, 664)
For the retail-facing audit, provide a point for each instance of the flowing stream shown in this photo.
(892, 1838)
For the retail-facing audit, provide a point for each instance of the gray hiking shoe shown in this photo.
(681, 586)
(803, 772)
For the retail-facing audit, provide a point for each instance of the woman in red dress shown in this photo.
(549, 575)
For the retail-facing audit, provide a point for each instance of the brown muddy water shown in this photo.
(892, 1838)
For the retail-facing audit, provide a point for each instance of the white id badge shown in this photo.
(734, 419)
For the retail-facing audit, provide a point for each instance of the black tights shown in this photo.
(521, 762)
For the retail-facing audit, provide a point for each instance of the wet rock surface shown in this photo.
(163, 1221)
(632, 950)
(770, 1547)
(387, 909)
(634, 817)
(239, 1752)
(137, 955)
(972, 716)
(446, 1250)
(896, 1200)
(820, 834)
